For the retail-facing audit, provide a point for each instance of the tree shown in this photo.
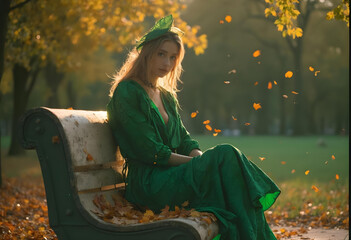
(72, 30)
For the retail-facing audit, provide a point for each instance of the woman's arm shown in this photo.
(177, 159)
(195, 152)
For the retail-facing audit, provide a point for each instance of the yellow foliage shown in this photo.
(68, 31)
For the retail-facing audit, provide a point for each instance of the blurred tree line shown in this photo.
(61, 54)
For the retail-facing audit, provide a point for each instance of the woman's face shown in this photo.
(164, 60)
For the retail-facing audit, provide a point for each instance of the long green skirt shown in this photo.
(222, 181)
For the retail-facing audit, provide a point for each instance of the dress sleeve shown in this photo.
(187, 143)
(137, 136)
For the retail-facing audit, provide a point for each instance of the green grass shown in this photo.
(299, 153)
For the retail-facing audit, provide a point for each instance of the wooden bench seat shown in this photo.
(77, 155)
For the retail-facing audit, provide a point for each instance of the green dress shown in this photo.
(222, 180)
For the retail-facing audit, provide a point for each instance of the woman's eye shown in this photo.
(173, 58)
(161, 54)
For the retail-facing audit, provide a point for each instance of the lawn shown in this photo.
(288, 158)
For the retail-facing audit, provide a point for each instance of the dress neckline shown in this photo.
(153, 105)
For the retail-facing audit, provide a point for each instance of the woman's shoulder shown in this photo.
(127, 88)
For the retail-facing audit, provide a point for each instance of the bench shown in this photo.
(77, 155)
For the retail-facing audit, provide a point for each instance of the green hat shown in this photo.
(161, 27)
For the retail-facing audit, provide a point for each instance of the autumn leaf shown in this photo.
(206, 122)
(285, 96)
(247, 124)
(256, 53)
(337, 177)
(234, 118)
(221, 21)
(315, 188)
(215, 134)
(269, 85)
(257, 106)
(311, 69)
(283, 162)
(185, 204)
(70, 108)
(289, 74)
(293, 92)
(256, 83)
(228, 18)
(55, 139)
(307, 172)
(275, 83)
(208, 127)
(293, 171)
(262, 158)
(232, 71)
(333, 157)
(316, 72)
(217, 130)
(226, 82)
(193, 114)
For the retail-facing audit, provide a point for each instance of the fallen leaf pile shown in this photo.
(122, 212)
(301, 206)
(23, 210)
(24, 214)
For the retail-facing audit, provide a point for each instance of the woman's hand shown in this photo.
(195, 152)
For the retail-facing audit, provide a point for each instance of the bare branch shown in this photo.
(19, 5)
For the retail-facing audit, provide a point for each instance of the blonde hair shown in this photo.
(136, 66)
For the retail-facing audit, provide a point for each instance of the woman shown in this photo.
(165, 165)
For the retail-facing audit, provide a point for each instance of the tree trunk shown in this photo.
(53, 80)
(71, 94)
(4, 11)
(299, 117)
(20, 77)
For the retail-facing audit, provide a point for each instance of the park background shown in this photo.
(282, 100)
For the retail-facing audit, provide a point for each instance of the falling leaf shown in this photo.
(193, 114)
(256, 83)
(247, 124)
(269, 85)
(256, 53)
(285, 96)
(217, 130)
(293, 92)
(232, 71)
(316, 72)
(282, 230)
(337, 177)
(289, 74)
(262, 158)
(55, 139)
(228, 18)
(226, 82)
(326, 162)
(333, 157)
(257, 106)
(206, 122)
(315, 188)
(311, 69)
(293, 171)
(208, 127)
(221, 21)
(275, 83)
(234, 118)
(307, 172)
(215, 134)
(283, 162)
